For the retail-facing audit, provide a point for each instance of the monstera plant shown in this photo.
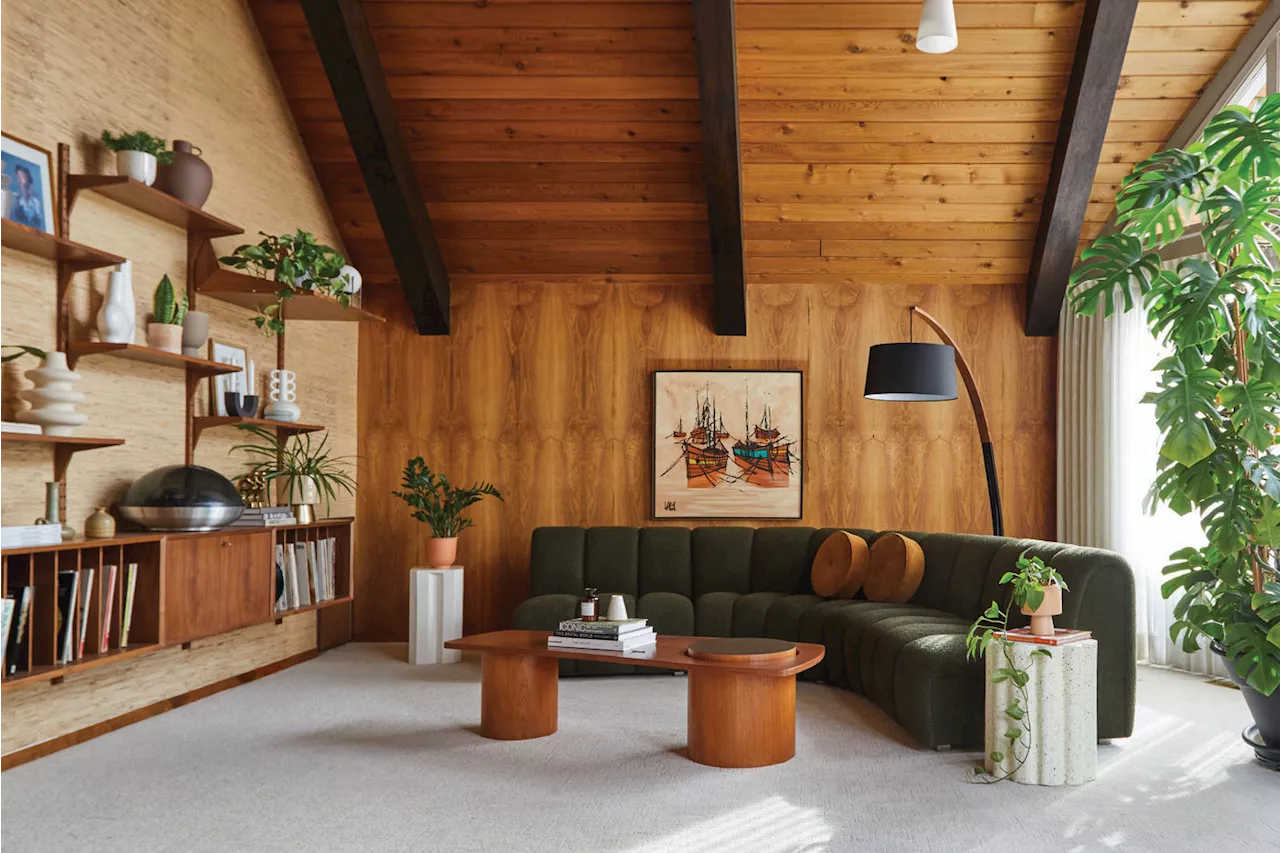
(1218, 398)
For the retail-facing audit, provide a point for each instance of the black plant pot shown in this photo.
(1264, 735)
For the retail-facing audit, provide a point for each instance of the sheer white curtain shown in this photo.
(1108, 445)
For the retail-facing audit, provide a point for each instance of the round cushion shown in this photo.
(897, 567)
(840, 566)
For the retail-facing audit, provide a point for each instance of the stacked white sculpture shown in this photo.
(53, 399)
(284, 391)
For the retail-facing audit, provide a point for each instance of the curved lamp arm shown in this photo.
(979, 414)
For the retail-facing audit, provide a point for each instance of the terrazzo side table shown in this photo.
(1062, 706)
(435, 614)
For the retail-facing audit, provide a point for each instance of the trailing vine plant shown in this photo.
(1029, 580)
(297, 263)
(1218, 398)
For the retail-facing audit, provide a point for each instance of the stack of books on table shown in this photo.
(265, 516)
(603, 635)
(1059, 637)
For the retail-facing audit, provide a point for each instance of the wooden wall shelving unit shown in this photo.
(183, 593)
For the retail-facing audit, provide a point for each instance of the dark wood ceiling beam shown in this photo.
(1091, 91)
(722, 166)
(346, 47)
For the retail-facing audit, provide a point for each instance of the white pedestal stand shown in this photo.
(435, 614)
(1062, 710)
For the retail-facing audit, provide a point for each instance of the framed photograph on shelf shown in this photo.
(226, 354)
(727, 444)
(28, 195)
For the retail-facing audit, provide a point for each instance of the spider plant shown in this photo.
(295, 457)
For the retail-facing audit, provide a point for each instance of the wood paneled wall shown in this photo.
(544, 389)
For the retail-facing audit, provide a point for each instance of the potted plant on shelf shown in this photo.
(304, 469)
(1037, 588)
(168, 309)
(1218, 403)
(439, 504)
(297, 264)
(137, 154)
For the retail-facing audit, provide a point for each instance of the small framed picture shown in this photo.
(28, 197)
(225, 354)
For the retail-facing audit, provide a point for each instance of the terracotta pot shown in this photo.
(188, 178)
(441, 552)
(1042, 616)
(165, 336)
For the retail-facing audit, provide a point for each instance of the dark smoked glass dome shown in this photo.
(182, 497)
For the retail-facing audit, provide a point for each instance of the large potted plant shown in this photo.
(305, 470)
(297, 264)
(439, 504)
(1218, 403)
(137, 154)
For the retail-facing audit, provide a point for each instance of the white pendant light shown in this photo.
(937, 33)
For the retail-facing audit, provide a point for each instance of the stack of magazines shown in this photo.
(265, 516)
(603, 635)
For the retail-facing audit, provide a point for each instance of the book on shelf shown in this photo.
(605, 628)
(109, 574)
(130, 594)
(635, 639)
(7, 605)
(332, 543)
(16, 660)
(68, 588)
(30, 535)
(1059, 637)
(267, 521)
(304, 574)
(21, 429)
(82, 627)
(281, 586)
(290, 577)
(317, 576)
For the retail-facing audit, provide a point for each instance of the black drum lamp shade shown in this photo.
(922, 373)
(911, 373)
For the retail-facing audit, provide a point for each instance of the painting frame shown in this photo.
(657, 510)
(20, 155)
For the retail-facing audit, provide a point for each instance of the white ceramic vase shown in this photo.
(283, 392)
(351, 278)
(117, 320)
(53, 399)
(138, 165)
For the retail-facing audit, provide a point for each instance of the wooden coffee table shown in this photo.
(742, 693)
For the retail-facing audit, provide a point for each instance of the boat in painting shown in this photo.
(678, 433)
(765, 458)
(705, 458)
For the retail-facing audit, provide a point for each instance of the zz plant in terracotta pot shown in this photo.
(1217, 402)
(439, 504)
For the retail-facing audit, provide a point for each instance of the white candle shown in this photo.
(249, 378)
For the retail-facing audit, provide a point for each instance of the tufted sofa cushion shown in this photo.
(907, 658)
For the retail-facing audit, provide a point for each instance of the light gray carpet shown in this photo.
(357, 750)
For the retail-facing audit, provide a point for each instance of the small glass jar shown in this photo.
(590, 605)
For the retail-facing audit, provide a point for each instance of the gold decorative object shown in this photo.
(253, 490)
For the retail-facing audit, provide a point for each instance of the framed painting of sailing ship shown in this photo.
(727, 443)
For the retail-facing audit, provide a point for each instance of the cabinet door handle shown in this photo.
(226, 543)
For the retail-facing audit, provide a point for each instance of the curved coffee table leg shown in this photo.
(518, 696)
(738, 720)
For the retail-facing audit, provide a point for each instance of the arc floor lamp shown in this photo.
(918, 372)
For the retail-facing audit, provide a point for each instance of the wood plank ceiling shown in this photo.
(560, 138)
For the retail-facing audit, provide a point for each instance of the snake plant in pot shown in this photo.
(439, 504)
(1218, 398)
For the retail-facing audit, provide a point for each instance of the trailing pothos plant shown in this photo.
(1218, 403)
(1029, 579)
(297, 263)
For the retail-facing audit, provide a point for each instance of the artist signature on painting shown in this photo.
(669, 506)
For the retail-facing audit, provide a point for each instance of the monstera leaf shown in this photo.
(1115, 263)
(1255, 409)
(1185, 405)
(1264, 471)
(1246, 142)
(1249, 222)
(1228, 517)
(1160, 193)
(1191, 308)
(1254, 655)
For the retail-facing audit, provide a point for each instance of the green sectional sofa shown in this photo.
(907, 658)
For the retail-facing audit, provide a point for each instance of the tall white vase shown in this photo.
(53, 399)
(117, 320)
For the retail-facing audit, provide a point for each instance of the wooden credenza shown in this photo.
(189, 586)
